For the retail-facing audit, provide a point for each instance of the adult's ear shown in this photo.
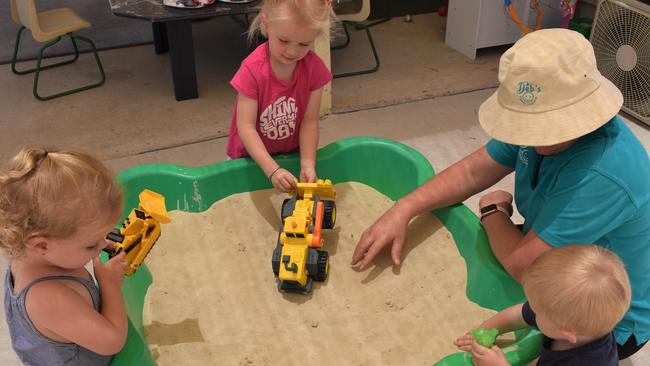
(37, 245)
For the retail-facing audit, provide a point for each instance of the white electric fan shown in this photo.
(621, 39)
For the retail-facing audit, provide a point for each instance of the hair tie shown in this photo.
(40, 159)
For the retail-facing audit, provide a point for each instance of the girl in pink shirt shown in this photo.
(279, 89)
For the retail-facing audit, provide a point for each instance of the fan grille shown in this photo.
(621, 40)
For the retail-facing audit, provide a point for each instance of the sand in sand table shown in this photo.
(214, 299)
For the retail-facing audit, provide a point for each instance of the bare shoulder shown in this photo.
(54, 296)
(55, 302)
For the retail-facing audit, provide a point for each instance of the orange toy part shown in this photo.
(318, 229)
(522, 26)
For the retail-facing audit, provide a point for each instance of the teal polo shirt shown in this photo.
(595, 192)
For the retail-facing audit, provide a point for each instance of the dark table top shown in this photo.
(155, 11)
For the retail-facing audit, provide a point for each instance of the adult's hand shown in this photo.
(390, 228)
(472, 174)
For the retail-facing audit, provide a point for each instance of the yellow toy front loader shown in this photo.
(298, 258)
(139, 231)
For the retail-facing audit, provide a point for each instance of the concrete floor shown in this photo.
(443, 129)
(137, 99)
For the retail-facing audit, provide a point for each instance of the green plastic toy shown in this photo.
(484, 337)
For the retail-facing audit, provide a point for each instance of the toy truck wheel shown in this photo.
(323, 266)
(329, 214)
(288, 205)
(312, 262)
(275, 259)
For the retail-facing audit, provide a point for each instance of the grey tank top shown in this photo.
(33, 348)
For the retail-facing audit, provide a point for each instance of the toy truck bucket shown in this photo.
(154, 204)
(322, 187)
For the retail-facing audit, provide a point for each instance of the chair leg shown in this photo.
(360, 26)
(374, 53)
(347, 38)
(28, 71)
(39, 68)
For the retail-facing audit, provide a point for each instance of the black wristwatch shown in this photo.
(492, 208)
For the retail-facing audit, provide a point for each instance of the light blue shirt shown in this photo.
(597, 191)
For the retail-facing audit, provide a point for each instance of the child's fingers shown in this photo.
(283, 185)
(498, 351)
(293, 182)
(117, 259)
(110, 245)
(465, 338)
(288, 182)
(464, 343)
(479, 350)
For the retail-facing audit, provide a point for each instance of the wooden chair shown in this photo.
(348, 12)
(49, 26)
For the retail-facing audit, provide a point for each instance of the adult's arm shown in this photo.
(514, 250)
(464, 178)
(582, 207)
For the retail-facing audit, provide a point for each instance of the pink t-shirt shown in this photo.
(281, 104)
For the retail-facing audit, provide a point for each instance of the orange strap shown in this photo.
(318, 225)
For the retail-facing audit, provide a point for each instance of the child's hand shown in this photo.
(112, 272)
(283, 180)
(308, 175)
(464, 342)
(482, 356)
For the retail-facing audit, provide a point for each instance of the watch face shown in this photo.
(488, 208)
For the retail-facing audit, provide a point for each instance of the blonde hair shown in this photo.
(583, 288)
(51, 194)
(315, 14)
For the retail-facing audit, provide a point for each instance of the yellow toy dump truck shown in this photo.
(297, 258)
(140, 230)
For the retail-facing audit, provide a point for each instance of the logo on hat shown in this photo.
(527, 92)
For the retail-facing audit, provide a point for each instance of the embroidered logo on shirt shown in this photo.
(523, 155)
(528, 92)
(278, 120)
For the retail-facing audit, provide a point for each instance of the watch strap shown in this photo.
(492, 208)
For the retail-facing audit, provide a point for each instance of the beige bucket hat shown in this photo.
(550, 91)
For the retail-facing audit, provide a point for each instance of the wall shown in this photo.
(586, 9)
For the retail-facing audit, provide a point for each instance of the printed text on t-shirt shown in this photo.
(278, 120)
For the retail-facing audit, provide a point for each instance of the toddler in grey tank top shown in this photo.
(55, 211)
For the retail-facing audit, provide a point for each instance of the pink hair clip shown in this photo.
(328, 2)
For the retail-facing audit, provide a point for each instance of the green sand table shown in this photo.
(389, 167)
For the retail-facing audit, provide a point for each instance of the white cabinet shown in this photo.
(474, 24)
